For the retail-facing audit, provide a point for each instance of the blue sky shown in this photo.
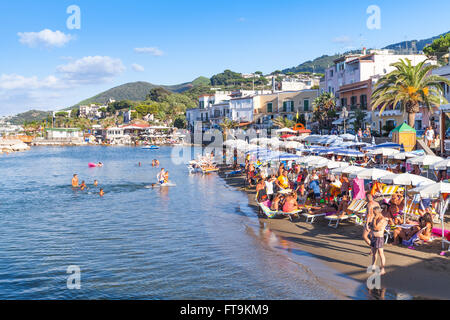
(181, 40)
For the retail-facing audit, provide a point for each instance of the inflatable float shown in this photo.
(92, 165)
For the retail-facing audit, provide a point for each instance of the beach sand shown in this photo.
(421, 273)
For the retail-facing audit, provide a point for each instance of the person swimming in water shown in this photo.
(95, 183)
(75, 181)
(101, 193)
(83, 185)
(100, 164)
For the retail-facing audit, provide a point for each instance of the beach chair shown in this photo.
(334, 220)
(388, 191)
(274, 214)
(311, 217)
(414, 239)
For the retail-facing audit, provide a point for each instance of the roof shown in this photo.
(63, 129)
(133, 126)
(404, 128)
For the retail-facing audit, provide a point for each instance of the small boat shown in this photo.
(150, 148)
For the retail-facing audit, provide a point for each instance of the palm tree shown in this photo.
(282, 123)
(410, 87)
(323, 105)
(226, 126)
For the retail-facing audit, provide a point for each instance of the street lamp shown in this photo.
(344, 115)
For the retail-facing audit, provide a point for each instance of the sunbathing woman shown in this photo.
(404, 234)
(426, 223)
(330, 208)
(290, 204)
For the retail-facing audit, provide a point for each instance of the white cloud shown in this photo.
(153, 51)
(91, 69)
(46, 38)
(241, 19)
(138, 68)
(342, 39)
(18, 82)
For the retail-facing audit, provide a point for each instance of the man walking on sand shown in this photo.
(377, 241)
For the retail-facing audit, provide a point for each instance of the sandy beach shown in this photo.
(420, 272)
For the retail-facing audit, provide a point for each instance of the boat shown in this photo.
(150, 148)
(204, 165)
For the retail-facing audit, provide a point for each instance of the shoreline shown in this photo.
(421, 273)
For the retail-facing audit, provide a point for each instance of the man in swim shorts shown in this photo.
(75, 181)
(377, 242)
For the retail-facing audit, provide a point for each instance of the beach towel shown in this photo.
(358, 189)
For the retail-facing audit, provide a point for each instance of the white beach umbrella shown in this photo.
(285, 130)
(441, 165)
(348, 137)
(293, 145)
(321, 163)
(337, 164)
(432, 191)
(347, 170)
(426, 160)
(403, 156)
(370, 174)
(406, 179)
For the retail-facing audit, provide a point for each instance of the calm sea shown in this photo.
(199, 240)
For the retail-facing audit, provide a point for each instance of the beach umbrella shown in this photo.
(432, 191)
(285, 130)
(293, 145)
(336, 164)
(384, 145)
(349, 153)
(425, 160)
(370, 174)
(383, 151)
(347, 170)
(403, 155)
(441, 165)
(348, 137)
(406, 179)
(321, 163)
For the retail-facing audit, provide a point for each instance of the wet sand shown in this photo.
(421, 273)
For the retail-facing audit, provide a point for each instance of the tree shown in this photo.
(226, 126)
(158, 94)
(359, 117)
(282, 123)
(409, 87)
(324, 109)
(439, 47)
(180, 123)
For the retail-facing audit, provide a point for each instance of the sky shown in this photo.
(47, 63)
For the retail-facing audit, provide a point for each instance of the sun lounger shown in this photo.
(311, 217)
(273, 214)
(358, 206)
(334, 220)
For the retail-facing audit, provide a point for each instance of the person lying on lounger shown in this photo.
(343, 207)
(276, 203)
(330, 208)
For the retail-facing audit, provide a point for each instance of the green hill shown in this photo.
(419, 44)
(32, 115)
(134, 91)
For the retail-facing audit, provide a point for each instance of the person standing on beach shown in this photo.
(377, 241)
(371, 205)
(75, 181)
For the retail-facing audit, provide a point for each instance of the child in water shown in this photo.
(95, 183)
(83, 185)
(102, 193)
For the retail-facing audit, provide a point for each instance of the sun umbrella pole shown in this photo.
(405, 208)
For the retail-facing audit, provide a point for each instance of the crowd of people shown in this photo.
(315, 192)
(83, 187)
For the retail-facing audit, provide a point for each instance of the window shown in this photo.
(202, 104)
(363, 100)
(306, 105)
(344, 102)
(270, 107)
(353, 102)
(285, 106)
